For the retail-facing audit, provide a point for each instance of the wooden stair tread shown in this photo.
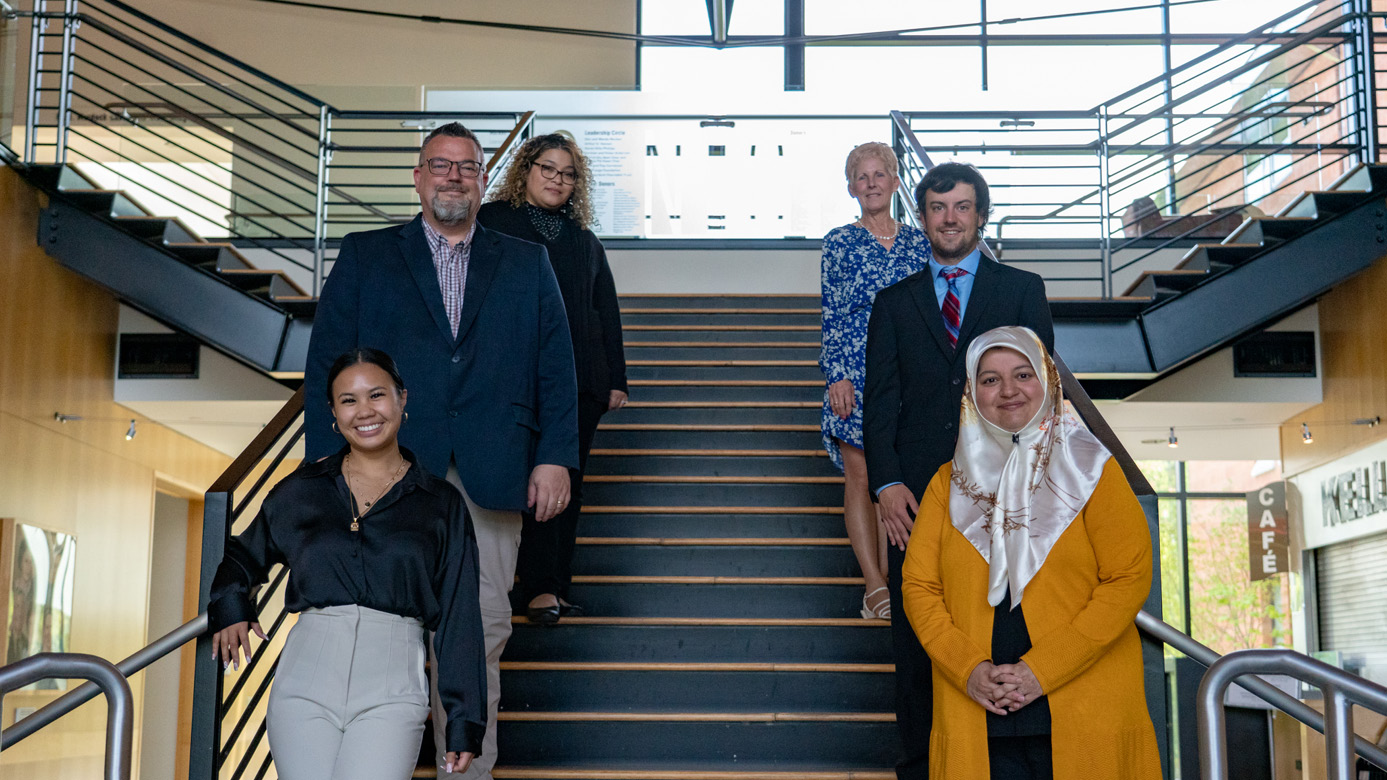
(642, 296)
(721, 344)
(711, 427)
(723, 404)
(287, 279)
(718, 453)
(707, 621)
(696, 310)
(673, 666)
(702, 541)
(700, 326)
(1152, 274)
(713, 510)
(729, 363)
(1246, 225)
(726, 383)
(681, 579)
(719, 480)
(701, 717)
(545, 773)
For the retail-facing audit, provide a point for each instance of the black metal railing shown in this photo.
(1131, 183)
(192, 132)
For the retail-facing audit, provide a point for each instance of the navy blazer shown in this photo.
(914, 386)
(498, 399)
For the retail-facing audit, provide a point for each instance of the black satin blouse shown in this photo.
(415, 556)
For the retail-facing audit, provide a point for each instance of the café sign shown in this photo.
(1267, 532)
(1345, 499)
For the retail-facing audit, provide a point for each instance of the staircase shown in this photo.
(723, 638)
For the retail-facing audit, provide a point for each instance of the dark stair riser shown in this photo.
(704, 392)
(695, 321)
(720, 526)
(572, 642)
(712, 466)
(807, 352)
(717, 494)
(763, 373)
(704, 415)
(637, 302)
(719, 601)
(809, 337)
(695, 691)
(718, 560)
(781, 746)
(700, 439)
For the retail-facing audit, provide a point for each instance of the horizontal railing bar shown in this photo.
(513, 116)
(85, 692)
(1168, 634)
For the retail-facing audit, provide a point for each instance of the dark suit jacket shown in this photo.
(915, 379)
(498, 399)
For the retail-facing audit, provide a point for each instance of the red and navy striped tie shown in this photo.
(950, 307)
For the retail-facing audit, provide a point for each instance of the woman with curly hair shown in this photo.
(547, 198)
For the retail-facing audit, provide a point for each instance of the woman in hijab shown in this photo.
(1029, 624)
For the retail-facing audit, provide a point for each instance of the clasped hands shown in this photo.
(1002, 689)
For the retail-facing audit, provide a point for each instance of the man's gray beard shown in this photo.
(450, 212)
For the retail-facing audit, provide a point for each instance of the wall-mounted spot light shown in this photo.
(1371, 422)
(130, 432)
(1171, 441)
(1305, 436)
(65, 418)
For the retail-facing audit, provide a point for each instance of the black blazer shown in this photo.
(589, 293)
(914, 385)
(498, 399)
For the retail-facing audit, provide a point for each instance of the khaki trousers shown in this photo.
(349, 697)
(498, 540)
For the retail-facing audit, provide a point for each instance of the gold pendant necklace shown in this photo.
(347, 473)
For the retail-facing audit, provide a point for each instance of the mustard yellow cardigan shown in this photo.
(1079, 612)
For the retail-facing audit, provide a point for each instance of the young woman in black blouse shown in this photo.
(379, 552)
(547, 198)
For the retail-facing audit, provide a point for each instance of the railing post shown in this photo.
(1367, 77)
(1338, 735)
(120, 703)
(31, 106)
(206, 730)
(70, 23)
(1104, 207)
(320, 209)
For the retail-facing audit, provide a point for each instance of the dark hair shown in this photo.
(452, 130)
(358, 356)
(942, 178)
(512, 188)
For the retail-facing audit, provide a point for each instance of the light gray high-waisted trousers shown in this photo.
(349, 697)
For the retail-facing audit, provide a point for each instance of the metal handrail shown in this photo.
(1341, 691)
(84, 693)
(120, 703)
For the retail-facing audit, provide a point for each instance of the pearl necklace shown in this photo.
(894, 233)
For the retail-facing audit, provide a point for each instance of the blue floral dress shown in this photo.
(855, 267)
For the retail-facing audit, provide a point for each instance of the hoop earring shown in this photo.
(334, 427)
(406, 418)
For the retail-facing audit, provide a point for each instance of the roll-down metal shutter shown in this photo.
(1352, 584)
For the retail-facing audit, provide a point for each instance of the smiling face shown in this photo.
(1009, 392)
(367, 407)
(450, 199)
(544, 191)
(873, 184)
(952, 222)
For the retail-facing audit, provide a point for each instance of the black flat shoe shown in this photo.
(544, 616)
(570, 610)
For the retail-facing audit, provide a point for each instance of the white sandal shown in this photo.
(882, 611)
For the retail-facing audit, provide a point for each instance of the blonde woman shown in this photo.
(859, 259)
(546, 198)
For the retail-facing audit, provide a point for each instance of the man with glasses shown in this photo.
(476, 324)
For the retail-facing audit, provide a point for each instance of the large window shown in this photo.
(1206, 588)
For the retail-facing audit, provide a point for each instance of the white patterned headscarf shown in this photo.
(1013, 495)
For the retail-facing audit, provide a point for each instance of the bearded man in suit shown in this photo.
(914, 388)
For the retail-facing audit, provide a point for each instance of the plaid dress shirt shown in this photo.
(450, 261)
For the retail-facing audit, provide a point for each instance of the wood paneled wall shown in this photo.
(57, 353)
(1353, 359)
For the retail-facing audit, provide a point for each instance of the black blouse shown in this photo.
(415, 556)
(1011, 640)
(589, 294)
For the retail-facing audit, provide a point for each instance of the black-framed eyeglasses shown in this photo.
(550, 172)
(441, 166)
